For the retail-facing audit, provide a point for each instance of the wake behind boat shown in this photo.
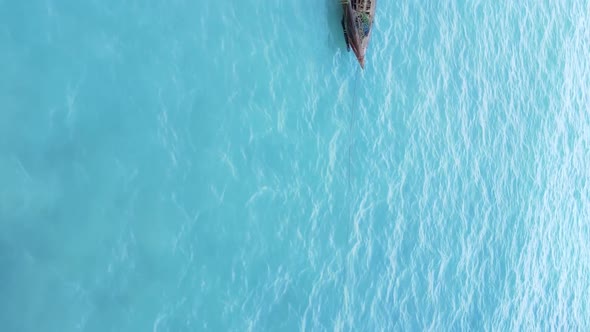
(357, 23)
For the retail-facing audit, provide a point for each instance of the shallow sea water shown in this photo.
(226, 166)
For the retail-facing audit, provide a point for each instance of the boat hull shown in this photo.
(357, 22)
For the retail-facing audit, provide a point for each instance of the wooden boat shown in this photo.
(357, 23)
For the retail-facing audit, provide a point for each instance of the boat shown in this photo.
(357, 23)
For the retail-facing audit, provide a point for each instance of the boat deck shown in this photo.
(362, 6)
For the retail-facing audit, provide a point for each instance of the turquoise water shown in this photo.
(226, 166)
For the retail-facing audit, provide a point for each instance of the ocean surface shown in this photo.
(226, 166)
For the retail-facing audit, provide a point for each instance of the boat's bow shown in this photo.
(357, 23)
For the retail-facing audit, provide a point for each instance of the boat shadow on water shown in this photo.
(335, 38)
